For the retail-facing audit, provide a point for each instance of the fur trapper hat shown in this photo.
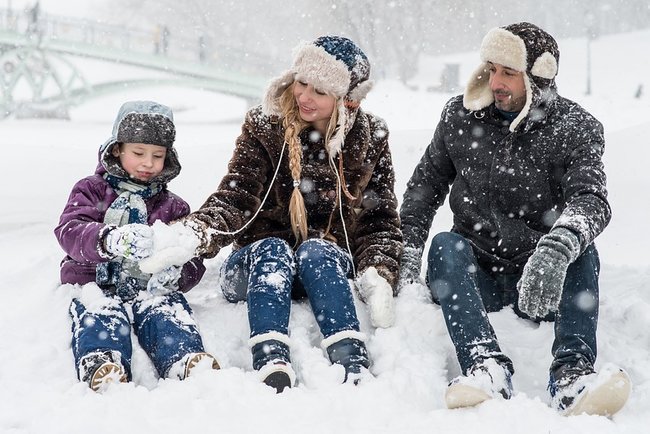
(142, 122)
(333, 64)
(523, 47)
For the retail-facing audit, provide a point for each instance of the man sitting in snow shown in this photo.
(528, 197)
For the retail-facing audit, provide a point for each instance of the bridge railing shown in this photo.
(157, 40)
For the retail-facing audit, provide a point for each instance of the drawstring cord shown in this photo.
(277, 169)
(340, 204)
(268, 191)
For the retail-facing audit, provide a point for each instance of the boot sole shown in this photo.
(106, 374)
(605, 399)
(461, 396)
(279, 380)
(196, 359)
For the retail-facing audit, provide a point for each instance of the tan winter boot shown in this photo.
(100, 369)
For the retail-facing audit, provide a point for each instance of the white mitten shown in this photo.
(172, 245)
(133, 241)
(378, 295)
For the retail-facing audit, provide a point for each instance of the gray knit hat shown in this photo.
(142, 122)
(523, 47)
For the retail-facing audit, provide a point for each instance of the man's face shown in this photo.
(508, 88)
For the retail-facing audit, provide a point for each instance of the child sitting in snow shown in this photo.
(104, 229)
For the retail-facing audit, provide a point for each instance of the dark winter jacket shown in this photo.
(81, 229)
(371, 220)
(510, 188)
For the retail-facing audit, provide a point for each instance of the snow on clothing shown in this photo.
(510, 188)
(371, 220)
(511, 183)
(450, 256)
(263, 273)
(345, 234)
(81, 231)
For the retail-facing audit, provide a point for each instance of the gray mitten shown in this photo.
(410, 265)
(540, 286)
(164, 281)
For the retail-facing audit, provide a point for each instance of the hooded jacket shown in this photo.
(81, 230)
(371, 220)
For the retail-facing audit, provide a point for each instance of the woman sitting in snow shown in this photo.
(104, 231)
(307, 202)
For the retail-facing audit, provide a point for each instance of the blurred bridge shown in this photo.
(39, 78)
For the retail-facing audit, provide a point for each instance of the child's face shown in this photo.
(141, 161)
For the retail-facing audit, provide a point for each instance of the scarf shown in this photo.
(120, 273)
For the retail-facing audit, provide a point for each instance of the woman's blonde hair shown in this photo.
(293, 125)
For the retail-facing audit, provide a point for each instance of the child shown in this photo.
(104, 229)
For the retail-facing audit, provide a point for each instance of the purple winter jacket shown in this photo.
(81, 228)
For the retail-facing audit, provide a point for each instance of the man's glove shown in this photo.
(164, 281)
(410, 265)
(378, 295)
(542, 281)
(133, 241)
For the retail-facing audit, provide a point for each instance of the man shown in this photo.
(528, 197)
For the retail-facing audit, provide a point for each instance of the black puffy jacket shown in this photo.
(510, 188)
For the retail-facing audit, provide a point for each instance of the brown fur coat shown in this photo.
(371, 220)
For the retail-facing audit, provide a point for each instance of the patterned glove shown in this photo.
(541, 284)
(410, 265)
(378, 295)
(164, 281)
(133, 241)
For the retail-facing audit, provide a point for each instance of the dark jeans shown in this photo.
(267, 274)
(466, 292)
(164, 327)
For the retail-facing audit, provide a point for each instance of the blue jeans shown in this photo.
(466, 292)
(268, 274)
(163, 326)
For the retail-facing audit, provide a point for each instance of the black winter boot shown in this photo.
(351, 353)
(271, 357)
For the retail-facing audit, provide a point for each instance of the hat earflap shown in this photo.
(336, 142)
(529, 101)
(478, 94)
(360, 91)
(545, 66)
(271, 103)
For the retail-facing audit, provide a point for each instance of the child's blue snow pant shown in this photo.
(163, 325)
(268, 273)
(466, 292)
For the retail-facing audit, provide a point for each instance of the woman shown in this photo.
(308, 202)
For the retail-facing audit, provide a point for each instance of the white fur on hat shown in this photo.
(545, 66)
(505, 48)
(502, 46)
(314, 65)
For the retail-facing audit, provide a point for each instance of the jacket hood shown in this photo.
(142, 122)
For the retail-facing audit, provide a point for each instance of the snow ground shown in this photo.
(413, 360)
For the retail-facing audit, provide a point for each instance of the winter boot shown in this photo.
(576, 389)
(192, 362)
(485, 380)
(347, 348)
(101, 368)
(271, 359)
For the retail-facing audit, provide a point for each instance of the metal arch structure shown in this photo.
(38, 77)
(38, 83)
